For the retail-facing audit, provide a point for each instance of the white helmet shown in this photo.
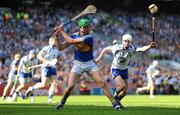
(127, 37)
(155, 63)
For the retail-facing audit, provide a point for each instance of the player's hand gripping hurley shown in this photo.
(153, 9)
(50, 63)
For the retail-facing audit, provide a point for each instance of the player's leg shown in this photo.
(45, 74)
(22, 80)
(71, 83)
(120, 77)
(7, 87)
(31, 94)
(37, 85)
(52, 88)
(143, 88)
(121, 88)
(152, 90)
(101, 82)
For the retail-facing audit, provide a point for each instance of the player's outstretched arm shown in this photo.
(69, 40)
(145, 48)
(103, 52)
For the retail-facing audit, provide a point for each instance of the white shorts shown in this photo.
(150, 80)
(80, 67)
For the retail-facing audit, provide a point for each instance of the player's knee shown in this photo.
(121, 87)
(43, 84)
(102, 84)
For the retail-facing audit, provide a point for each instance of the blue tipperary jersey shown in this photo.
(83, 52)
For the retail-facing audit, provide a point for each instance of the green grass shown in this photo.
(94, 105)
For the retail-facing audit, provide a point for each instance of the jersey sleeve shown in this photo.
(87, 38)
(43, 51)
(110, 48)
(22, 61)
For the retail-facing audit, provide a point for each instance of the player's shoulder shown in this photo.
(24, 58)
(117, 46)
(46, 47)
(132, 47)
(75, 34)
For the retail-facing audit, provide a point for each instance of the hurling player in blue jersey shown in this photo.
(83, 60)
(123, 54)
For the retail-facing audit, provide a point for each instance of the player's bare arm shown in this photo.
(68, 39)
(40, 57)
(104, 51)
(145, 48)
(62, 46)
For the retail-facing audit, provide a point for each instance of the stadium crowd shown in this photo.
(19, 36)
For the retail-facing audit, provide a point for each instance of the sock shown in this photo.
(120, 97)
(116, 94)
(63, 101)
(31, 95)
(50, 96)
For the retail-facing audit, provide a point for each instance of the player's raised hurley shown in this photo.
(88, 10)
(153, 9)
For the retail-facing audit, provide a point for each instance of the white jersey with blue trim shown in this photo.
(49, 53)
(25, 62)
(122, 58)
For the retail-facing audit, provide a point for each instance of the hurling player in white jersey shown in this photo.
(151, 72)
(12, 76)
(46, 55)
(24, 73)
(123, 55)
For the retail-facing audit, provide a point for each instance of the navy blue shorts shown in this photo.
(48, 71)
(118, 72)
(25, 75)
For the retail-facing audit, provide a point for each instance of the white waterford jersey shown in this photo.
(152, 71)
(26, 62)
(49, 53)
(122, 58)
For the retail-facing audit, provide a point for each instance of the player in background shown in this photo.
(24, 73)
(151, 72)
(123, 54)
(46, 55)
(12, 76)
(83, 55)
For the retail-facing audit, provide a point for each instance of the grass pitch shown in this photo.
(94, 105)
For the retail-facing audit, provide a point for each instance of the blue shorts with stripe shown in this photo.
(48, 71)
(118, 72)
